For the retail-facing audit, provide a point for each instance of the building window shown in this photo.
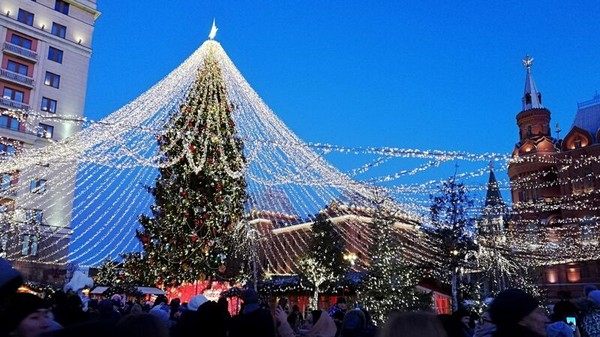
(30, 245)
(59, 30)
(62, 7)
(34, 245)
(55, 55)
(13, 94)
(551, 275)
(38, 186)
(45, 130)
(5, 181)
(9, 122)
(34, 216)
(17, 67)
(48, 105)
(25, 247)
(25, 17)
(7, 150)
(21, 41)
(573, 274)
(588, 181)
(52, 80)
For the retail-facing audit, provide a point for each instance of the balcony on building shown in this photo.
(12, 104)
(13, 49)
(16, 78)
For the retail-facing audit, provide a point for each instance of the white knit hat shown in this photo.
(196, 302)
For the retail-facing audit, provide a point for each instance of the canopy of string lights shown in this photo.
(106, 167)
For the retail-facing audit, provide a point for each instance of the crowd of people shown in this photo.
(512, 313)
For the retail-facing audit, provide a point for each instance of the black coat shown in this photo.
(254, 324)
(514, 331)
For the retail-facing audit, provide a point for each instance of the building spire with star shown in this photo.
(532, 98)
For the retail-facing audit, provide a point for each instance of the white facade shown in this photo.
(46, 50)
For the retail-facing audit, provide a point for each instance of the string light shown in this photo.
(108, 163)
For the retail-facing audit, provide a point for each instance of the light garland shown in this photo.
(115, 157)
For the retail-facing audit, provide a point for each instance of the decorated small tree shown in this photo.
(391, 283)
(324, 261)
(195, 229)
(452, 228)
(109, 273)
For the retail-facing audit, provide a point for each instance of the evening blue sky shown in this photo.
(441, 75)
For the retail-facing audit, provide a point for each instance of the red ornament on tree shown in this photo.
(219, 187)
(194, 238)
(192, 148)
(145, 239)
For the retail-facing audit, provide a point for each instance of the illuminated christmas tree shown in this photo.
(324, 262)
(108, 273)
(194, 231)
(390, 284)
(453, 229)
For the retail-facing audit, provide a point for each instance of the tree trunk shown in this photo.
(454, 289)
(315, 299)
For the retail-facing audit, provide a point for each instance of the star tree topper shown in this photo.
(213, 31)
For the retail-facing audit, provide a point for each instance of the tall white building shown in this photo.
(46, 50)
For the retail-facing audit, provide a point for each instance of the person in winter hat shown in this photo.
(188, 322)
(10, 278)
(10, 281)
(141, 325)
(485, 327)
(322, 324)
(196, 302)
(594, 295)
(588, 288)
(354, 324)
(516, 314)
(28, 316)
(162, 311)
(590, 314)
(464, 317)
(253, 320)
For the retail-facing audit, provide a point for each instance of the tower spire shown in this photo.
(532, 98)
(493, 197)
